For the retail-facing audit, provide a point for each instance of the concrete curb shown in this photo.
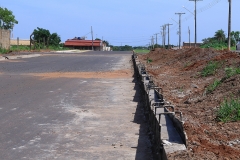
(166, 124)
(71, 51)
(5, 57)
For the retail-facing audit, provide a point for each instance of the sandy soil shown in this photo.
(109, 74)
(178, 73)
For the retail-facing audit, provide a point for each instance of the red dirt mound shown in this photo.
(178, 72)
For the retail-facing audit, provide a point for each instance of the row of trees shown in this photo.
(219, 39)
(122, 48)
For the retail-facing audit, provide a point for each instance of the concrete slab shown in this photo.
(44, 117)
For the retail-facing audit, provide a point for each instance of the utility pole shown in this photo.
(195, 17)
(92, 37)
(152, 42)
(229, 24)
(168, 35)
(180, 14)
(164, 32)
(156, 39)
(163, 36)
(102, 43)
(189, 37)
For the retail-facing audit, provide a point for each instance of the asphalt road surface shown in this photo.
(71, 106)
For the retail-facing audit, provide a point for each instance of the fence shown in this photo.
(5, 38)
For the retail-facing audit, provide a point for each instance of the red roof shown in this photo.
(83, 43)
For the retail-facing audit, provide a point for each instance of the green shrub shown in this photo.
(210, 69)
(213, 86)
(149, 60)
(229, 111)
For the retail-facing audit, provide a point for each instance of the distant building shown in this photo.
(80, 43)
(191, 44)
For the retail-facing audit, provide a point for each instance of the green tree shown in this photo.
(122, 48)
(54, 39)
(219, 40)
(237, 36)
(220, 35)
(40, 34)
(208, 40)
(7, 19)
(107, 43)
(43, 35)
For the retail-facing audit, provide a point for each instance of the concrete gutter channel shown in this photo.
(166, 124)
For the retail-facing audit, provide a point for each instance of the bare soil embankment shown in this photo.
(178, 72)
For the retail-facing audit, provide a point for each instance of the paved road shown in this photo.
(71, 106)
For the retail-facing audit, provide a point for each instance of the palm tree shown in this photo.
(220, 35)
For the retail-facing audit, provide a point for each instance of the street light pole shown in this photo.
(195, 15)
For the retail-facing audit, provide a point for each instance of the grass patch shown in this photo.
(210, 69)
(218, 45)
(229, 111)
(20, 48)
(4, 51)
(213, 86)
(142, 51)
(232, 71)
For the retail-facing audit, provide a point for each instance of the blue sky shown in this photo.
(121, 22)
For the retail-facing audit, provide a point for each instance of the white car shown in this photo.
(238, 46)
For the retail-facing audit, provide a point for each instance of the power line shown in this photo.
(208, 6)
